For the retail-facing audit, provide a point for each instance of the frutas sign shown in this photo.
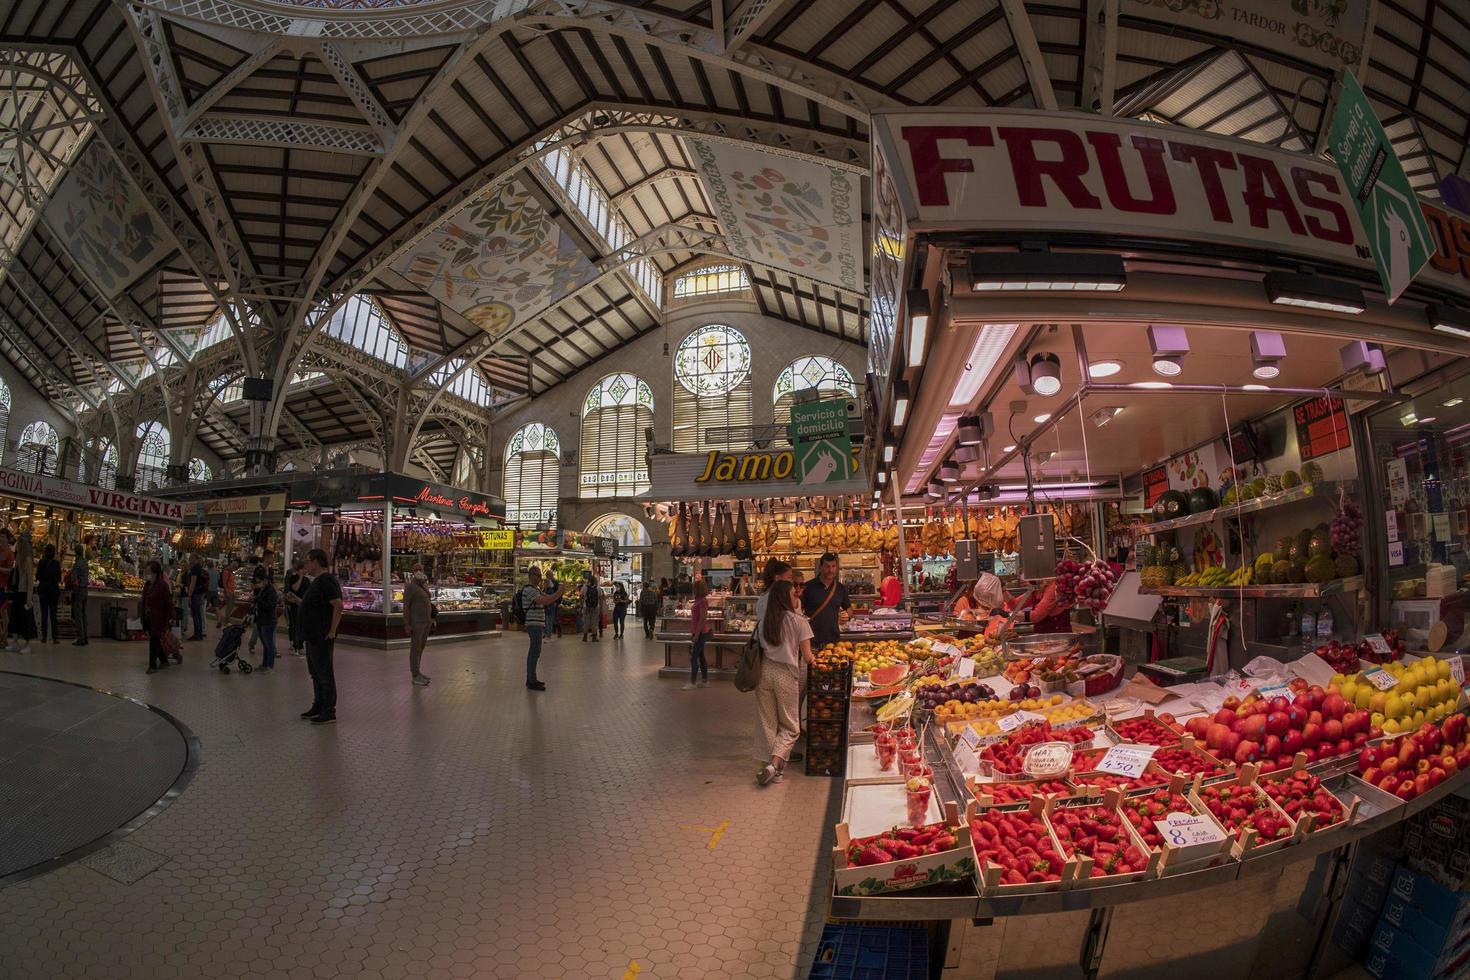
(1017, 170)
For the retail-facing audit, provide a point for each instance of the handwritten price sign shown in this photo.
(1189, 835)
(1380, 678)
(1013, 721)
(965, 667)
(1128, 761)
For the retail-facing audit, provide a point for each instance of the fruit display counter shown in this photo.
(1100, 814)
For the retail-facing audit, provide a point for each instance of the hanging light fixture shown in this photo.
(900, 403)
(919, 316)
(1314, 292)
(1169, 345)
(949, 471)
(1268, 350)
(1046, 374)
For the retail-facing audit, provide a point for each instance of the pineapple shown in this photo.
(1273, 484)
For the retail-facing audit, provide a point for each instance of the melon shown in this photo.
(1311, 472)
(1281, 572)
(1346, 565)
(1290, 479)
(1321, 569)
(1202, 499)
(1319, 545)
(1283, 548)
(1175, 504)
(883, 676)
(1273, 484)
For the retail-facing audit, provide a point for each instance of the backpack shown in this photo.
(518, 606)
(748, 670)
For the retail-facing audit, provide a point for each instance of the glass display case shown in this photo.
(733, 619)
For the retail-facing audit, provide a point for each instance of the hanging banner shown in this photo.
(77, 496)
(1321, 427)
(820, 446)
(1016, 170)
(1326, 33)
(717, 475)
(105, 222)
(790, 214)
(1386, 203)
(499, 261)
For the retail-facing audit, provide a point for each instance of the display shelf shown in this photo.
(1304, 590)
(1321, 490)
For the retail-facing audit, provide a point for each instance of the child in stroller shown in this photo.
(227, 650)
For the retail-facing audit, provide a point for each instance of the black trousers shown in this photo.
(649, 616)
(156, 656)
(323, 680)
(49, 616)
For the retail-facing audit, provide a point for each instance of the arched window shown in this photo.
(532, 476)
(199, 471)
(4, 416)
(614, 451)
(152, 467)
(626, 531)
(38, 447)
(815, 372)
(712, 394)
(104, 464)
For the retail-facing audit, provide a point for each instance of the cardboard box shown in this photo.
(1428, 897)
(1355, 924)
(1393, 955)
(1437, 841)
(1435, 936)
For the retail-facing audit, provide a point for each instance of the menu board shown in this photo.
(1155, 482)
(1321, 427)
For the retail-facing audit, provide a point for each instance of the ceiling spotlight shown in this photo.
(1169, 344)
(1150, 385)
(949, 471)
(882, 477)
(1043, 271)
(936, 490)
(1007, 449)
(1359, 355)
(1256, 387)
(888, 449)
(1104, 415)
(1044, 416)
(1043, 457)
(1267, 352)
(900, 403)
(1046, 374)
(973, 429)
(1428, 418)
(1453, 402)
(1313, 292)
(966, 454)
(919, 316)
(1448, 319)
(1104, 369)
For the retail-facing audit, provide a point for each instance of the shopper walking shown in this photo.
(22, 603)
(786, 641)
(265, 609)
(198, 589)
(48, 594)
(536, 603)
(648, 608)
(591, 606)
(225, 608)
(296, 582)
(775, 571)
(81, 580)
(700, 629)
(321, 614)
(418, 611)
(620, 601)
(157, 614)
(211, 588)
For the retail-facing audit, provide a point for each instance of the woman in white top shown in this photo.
(786, 640)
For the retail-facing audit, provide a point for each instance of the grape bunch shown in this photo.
(1085, 583)
(1346, 527)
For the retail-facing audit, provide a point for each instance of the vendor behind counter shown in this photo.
(986, 602)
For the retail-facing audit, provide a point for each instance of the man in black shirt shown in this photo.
(318, 619)
(197, 587)
(824, 600)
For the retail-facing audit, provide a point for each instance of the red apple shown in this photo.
(1375, 731)
(1215, 735)
(1292, 742)
(1405, 790)
(1333, 706)
(1278, 723)
(1422, 784)
(1360, 740)
(1318, 695)
(1247, 751)
(1331, 730)
(1454, 728)
(1315, 717)
(1372, 775)
(1271, 748)
(1271, 765)
(1230, 703)
(1344, 746)
(1198, 727)
(1253, 728)
(1225, 717)
(1409, 753)
(1312, 734)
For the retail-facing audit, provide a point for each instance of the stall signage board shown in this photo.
(718, 475)
(821, 449)
(244, 504)
(452, 500)
(77, 496)
(1025, 170)
(1386, 204)
(1155, 485)
(1321, 427)
(498, 539)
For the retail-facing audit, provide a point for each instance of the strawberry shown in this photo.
(1147, 731)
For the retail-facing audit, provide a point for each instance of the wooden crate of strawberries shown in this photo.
(1143, 813)
(1016, 852)
(1247, 813)
(1102, 842)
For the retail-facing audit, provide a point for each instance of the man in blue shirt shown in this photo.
(824, 600)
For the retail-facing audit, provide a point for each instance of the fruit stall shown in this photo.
(982, 781)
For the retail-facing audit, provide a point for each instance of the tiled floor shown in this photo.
(468, 829)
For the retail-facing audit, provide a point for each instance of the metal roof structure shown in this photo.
(289, 155)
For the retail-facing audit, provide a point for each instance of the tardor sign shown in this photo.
(1021, 170)
(820, 445)
(1387, 205)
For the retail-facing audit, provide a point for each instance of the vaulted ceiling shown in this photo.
(294, 154)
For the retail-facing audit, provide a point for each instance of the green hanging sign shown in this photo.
(820, 446)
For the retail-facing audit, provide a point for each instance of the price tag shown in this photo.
(947, 650)
(970, 738)
(1186, 831)
(1274, 691)
(1391, 523)
(1457, 670)
(1013, 721)
(1127, 761)
(1047, 759)
(1380, 678)
(966, 758)
(1377, 643)
(965, 667)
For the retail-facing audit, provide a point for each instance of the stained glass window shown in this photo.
(614, 452)
(712, 400)
(38, 447)
(153, 439)
(199, 471)
(823, 374)
(710, 280)
(532, 476)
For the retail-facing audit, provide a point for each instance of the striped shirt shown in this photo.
(535, 614)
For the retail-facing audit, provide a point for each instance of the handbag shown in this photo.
(752, 663)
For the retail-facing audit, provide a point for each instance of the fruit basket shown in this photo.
(1049, 645)
(1102, 842)
(1188, 759)
(1247, 813)
(902, 858)
(1146, 729)
(1016, 852)
(1143, 810)
(1017, 794)
(1003, 758)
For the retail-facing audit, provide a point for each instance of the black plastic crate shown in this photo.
(830, 680)
(826, 761)
(827, 734)
(852, 952)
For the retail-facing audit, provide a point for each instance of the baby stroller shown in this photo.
(227, 650)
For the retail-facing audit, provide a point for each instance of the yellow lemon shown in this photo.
(1362, 696)
(1394, 708)
(1443, 670)
(1391, 726)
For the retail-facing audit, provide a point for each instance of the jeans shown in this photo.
(697, 663)
(533, 651)
(418, 636)
(156, 656)
(49, 617)
(323, 679)
(620, 620)
(196, 612)
(591, 621)
(79, 614)
(293, 632)
(267, 632)
(649, 616)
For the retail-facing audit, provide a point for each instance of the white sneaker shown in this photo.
(767, 775)
(421, 680)
(687, 687)
(703, 683)
(25, 648)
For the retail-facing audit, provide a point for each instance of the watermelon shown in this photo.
(883, 676)
(1202, 499)
(1175, 504)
